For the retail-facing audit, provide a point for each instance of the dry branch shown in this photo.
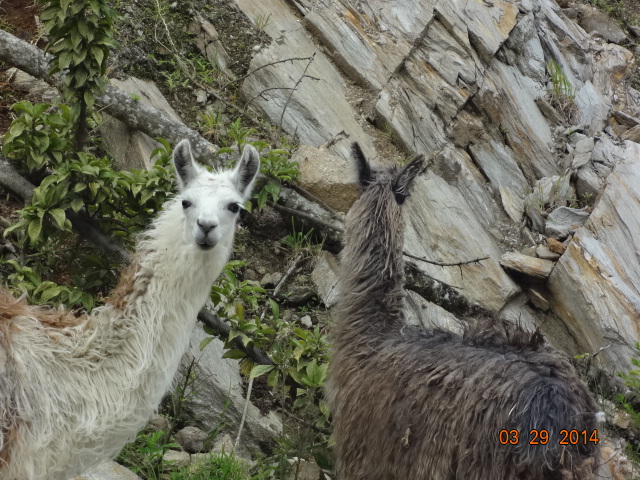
(136, 114)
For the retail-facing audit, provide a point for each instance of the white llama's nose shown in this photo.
(206, 225)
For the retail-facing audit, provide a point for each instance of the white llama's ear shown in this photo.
(185, 166)
(362, 165)
(404, 179)
(246, 170)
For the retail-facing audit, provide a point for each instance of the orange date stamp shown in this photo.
(541, 437)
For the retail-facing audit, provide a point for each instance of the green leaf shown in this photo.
(34, 229)
(260, 370)
(98, 54)
(16, 129)
(83, 28)
(205, 342)
(324, 408)
(89, 98)
(234, 354)
(20, 224)
(64, 6)
(50, 293)
(80, 77)
(76, 204)
(315, 375)
(59, 217)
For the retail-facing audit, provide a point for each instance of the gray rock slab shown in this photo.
(563, 221)
(429, 315)
(564, 41)
(442, 227)
(108, 471)
(219, 395)
(525, 42)
(191, 439)
(593, 107)
(588, 182)
(633, 134)
(606, 151)
(582, 153)
(596, 283)
(499, 165)
(369, 39)
(34, 86)
(130, 148)
(509, 100)
(456, 167)
(596, 22)
(546, 254)
(486, 27)
(406, 110)
(317, 112)
(536, 268)
(546, 193)
(325, 276)
(176, 458)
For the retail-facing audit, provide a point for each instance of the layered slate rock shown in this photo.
(466, 83)
(442, 228)
(596, 282)
(305, 93)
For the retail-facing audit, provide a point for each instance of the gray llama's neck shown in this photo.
(372, 265)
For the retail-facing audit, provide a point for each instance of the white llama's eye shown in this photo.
(233, 207)
(186, 203)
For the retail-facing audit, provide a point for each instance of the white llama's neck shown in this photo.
(173, 281)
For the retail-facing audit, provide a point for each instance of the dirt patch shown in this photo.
(152, 32)
(19, 18)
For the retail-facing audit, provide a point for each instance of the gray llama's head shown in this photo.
(395, 179)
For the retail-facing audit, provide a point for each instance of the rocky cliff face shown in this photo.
(467, 83)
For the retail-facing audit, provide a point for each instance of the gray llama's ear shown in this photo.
(185, 166)
(362, 165)
(246, 170)
(404, 179)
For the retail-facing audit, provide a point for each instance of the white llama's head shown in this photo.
(211, 201)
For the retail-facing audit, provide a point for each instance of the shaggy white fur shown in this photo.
(71, 396)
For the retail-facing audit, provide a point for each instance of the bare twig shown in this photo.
(262, 92)
(444, 264)
(290, 270)
(295, 87)
(270, 64)
(244, 412)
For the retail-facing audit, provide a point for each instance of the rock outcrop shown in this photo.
(468, 84)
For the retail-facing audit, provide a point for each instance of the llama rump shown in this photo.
(411, 403)
(74, 390)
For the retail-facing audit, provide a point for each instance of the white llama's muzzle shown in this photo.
(207, 236)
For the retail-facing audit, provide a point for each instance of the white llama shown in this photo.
(73, 390)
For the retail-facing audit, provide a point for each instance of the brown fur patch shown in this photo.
(121, 294)
(11, 308)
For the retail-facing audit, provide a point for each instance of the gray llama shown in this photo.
(411, 403)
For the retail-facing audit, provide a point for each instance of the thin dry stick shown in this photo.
(444, 264)
(244, 412)
(295, 87)
(239, 79)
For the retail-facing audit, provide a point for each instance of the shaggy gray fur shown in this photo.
(412, 404)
